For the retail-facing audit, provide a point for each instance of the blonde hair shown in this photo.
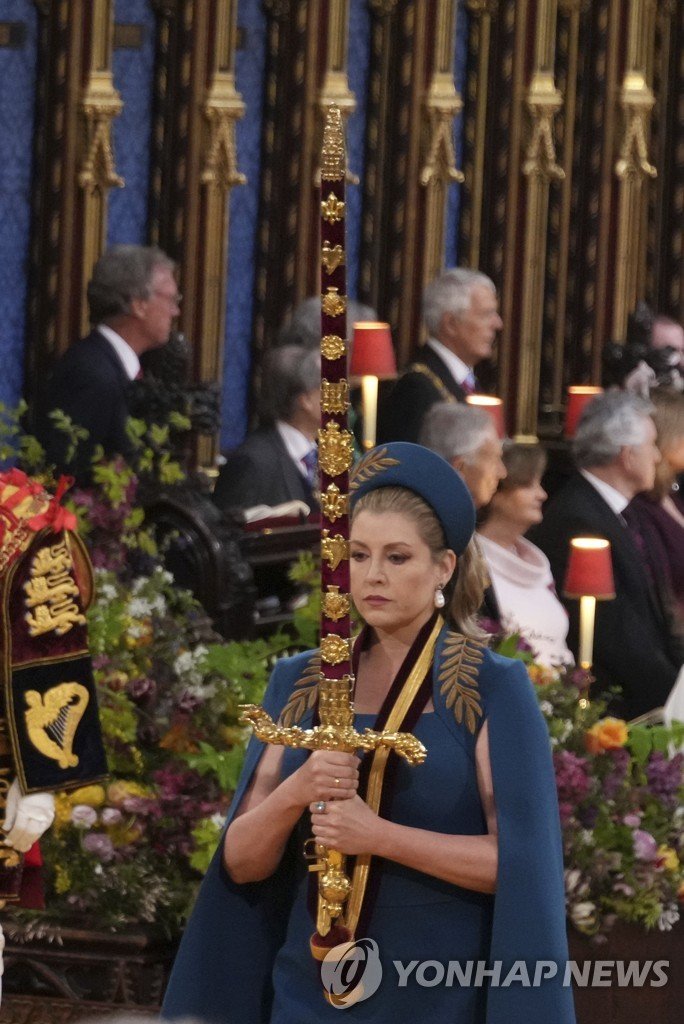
(465, 591)
(668, 416)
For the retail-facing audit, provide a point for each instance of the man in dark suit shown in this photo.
(616, 456)
(461, 314)
(277, 463)
(133, 300)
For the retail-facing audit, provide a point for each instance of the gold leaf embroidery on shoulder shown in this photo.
(458, 677)
(304, 694)
(368, 466)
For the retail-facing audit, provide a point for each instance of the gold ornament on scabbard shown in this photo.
(332, 257)
(334, 504)
(335, 456)
(334, 304)
(334, 397)
(335, 449)
(335, 605)
(332, 346)
(332, 210)
(334, 550)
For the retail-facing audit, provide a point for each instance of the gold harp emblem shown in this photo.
(333, 549)
(52, 720)
(332, 257)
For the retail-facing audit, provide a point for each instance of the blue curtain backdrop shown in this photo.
(133, 74)
(454, 204)
(17, 106)
(244, 204)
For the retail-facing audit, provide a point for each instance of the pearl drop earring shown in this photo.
(440, 600)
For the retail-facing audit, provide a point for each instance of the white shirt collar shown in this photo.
(614, 498)
(128, 357)
(297, 444)
(456, 367)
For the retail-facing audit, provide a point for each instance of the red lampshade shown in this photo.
(590, 569)
(578, 396)
(493, 407)
(372, 351)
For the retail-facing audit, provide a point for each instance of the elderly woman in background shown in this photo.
(657, 516)
(520, 573)
(458, 858)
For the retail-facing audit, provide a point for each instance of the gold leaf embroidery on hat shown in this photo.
(369, 465)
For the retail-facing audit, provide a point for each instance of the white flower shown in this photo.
(218, 819)
(583, 914)
(546, 707)
(135, 630)
(668, 918)
(139, 608)
(106, 592)
(183, 663)
(83, 816)
(158, 604)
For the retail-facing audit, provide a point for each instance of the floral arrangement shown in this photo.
(134, 849)
(620, 789)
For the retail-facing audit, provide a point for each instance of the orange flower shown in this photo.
(178, 740)
(608, 734)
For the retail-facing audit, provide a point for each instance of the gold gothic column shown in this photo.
(73, 171)
(442, 105)
(481, 13)
(195, 166)
(223, 107)
(100, 104)
(543, 101)
(633, 166)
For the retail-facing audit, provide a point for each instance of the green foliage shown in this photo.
(224, 765)
(206, 835)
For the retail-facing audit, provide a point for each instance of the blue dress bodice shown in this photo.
(415, 916)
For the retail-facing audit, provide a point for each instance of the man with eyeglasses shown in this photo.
(133, 300)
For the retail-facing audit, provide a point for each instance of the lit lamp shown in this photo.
(579, 395)
(372, 359)
(589, 577)
(493, 407)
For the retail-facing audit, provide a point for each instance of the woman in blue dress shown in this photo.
(458, 904)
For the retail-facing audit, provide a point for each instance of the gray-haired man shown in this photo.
(133, 300)
(616, 456)
(461, 314)
(277, 463)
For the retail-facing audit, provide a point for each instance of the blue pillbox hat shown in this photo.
(400, 464)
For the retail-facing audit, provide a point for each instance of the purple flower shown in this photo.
(142, 688)
(665, 777)
(645, 846)
(189, 702)
(618, 760)
(572, 777)
(83, 816)
(99, 845)
(633, 820)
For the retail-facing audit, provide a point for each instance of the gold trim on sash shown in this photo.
(377, 771)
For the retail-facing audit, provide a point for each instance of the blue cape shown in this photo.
(222, 974)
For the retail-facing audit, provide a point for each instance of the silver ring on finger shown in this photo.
(320, 806)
